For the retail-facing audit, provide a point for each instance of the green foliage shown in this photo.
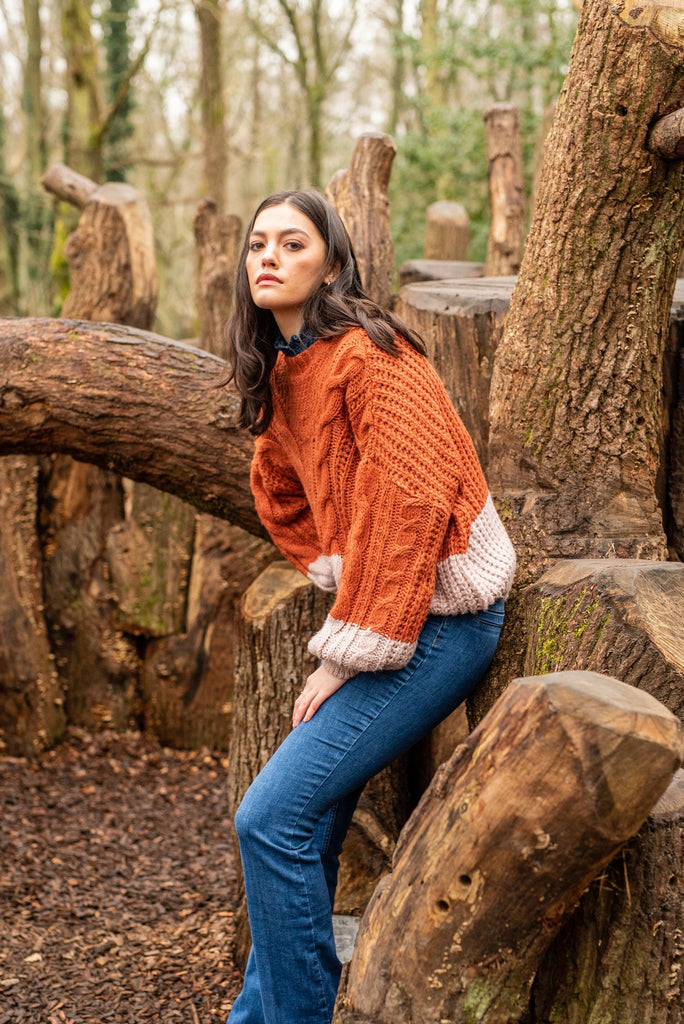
(512, 50)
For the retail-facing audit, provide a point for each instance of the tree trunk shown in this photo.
(461, 323)
(674, 482)
(610, 614)
(359, 195)
(588, 324)
(214, 136)
(187, 677)
(506, 191)
(523, 820)
(619, 956)
(278, 614)
(84, 89)
(218, 237)
(131, 386)
(31, 709)
(447, 232)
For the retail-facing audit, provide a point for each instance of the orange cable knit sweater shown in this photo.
(368, 482)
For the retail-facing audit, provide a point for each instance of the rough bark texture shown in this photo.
(138, 393)
(674, 429)
(31, 709)
(278, 614)
(619, 957)
(666, 137)
(359, 195)
(529, 809)
(218, 239)
(603, 615)
(506, 191)
(413, 271)
(187, 676)
(447, 232)
(587, 328)
(461, 323)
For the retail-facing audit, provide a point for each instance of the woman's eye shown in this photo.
(255, 245)
(294, 246)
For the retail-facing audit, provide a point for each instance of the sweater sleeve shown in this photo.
(406, 483)
(283, 508)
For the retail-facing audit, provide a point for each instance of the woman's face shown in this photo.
(285, 260)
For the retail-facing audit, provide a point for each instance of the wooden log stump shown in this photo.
(619, 956)
(359, 195)
(461, 323)
(447, 231)
(187, 676)
(31, 701)
(218, 238)
(672, 480)
(611, 615)
(413, 271)
(506, 191)
(512, 830)
(278, 614)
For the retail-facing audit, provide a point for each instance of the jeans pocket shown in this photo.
(492, 616)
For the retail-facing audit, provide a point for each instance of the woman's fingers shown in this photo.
(319, 686)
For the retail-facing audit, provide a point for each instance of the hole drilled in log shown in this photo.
(443, 905)
(465, 879)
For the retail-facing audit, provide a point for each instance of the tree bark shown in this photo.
(610, 614)
(136, 393)
(209, 15)
(619, 957)
(187, 676)
(84, 89)
(218, 238)
(461, 323)
(506, 191)
(666, 137)
(278, 614)
(32, 705)
(359, 195)
(529, 809)
(587, 329)
(447, 232)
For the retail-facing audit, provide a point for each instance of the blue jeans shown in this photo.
(294, 817)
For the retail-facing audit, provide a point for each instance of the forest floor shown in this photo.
(117, 882)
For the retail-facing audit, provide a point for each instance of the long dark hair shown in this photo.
(329, 311)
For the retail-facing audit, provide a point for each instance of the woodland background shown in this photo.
(236, 99)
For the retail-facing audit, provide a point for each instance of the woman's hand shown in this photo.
(319, 686)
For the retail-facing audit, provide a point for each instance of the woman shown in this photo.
(368, 482)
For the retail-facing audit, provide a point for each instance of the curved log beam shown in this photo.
(666, 137)
(129, 401)
(68, 185)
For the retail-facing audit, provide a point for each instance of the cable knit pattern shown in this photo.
(369, 483)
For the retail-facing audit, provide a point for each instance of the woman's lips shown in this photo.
(268, 279)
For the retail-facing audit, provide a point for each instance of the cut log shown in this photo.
(512, 830)
(359, 195)
(614, 615)
(144, 407)
(619, 957)
(149, 556)
(278, 614)
(31, 698)
(461, 323)
(218, 238)
(187, 677)
(666, 137)
(506, 191)
(588, 325)
(447, 231)
(413, 271)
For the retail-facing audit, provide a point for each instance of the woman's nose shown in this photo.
(268, 256)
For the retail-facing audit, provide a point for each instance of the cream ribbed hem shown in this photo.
(482, 574)
(326, 571)
(347, 649)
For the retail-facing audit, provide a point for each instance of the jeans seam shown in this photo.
(312, 933)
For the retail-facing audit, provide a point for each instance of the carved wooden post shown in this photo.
(510, 833)
(447, 231)
(506, 193)
(359, 195)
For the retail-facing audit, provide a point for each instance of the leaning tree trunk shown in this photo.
(576, 391)
(512, 830)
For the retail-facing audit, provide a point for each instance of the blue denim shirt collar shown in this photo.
(297, 343)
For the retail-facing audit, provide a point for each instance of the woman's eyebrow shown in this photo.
(286, 231)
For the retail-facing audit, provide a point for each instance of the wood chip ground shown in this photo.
(117, 874)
